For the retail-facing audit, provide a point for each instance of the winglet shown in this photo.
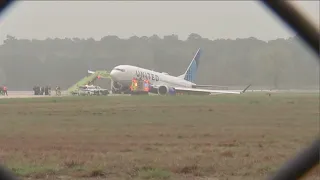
(245, 89)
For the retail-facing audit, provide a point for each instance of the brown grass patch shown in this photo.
(224, 137)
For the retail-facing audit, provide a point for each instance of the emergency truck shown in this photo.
(139, 87)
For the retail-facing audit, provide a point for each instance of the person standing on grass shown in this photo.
(57, 90)
(49, 90)
(5, 90)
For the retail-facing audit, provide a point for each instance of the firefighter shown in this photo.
(134, 84)
(146, 85)
(131, 86)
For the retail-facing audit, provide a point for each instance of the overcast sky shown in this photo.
(85, 19)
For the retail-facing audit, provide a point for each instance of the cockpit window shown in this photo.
(122, 70)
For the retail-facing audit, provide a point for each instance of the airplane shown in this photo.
(162, 83)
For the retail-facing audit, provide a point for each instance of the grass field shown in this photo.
(155, 137)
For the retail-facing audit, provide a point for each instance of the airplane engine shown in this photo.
(153, 90)
(165, 90)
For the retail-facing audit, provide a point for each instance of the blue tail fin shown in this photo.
(190, 74)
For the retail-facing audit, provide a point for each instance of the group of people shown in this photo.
(38, 90)
(3, 90)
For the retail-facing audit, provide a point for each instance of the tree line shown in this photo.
(280, 63)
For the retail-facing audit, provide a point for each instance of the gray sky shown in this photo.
(84, 19)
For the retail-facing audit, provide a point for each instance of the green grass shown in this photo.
(29, 170)
(155, 137)
(154, 173)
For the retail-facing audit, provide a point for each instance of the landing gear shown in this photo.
(115, 91)
(117, 88)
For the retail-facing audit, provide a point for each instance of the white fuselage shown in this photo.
(124, 74)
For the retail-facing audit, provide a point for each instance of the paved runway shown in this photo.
(29, 94)
(23, 94)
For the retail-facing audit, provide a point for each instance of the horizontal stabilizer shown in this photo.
(91, 72)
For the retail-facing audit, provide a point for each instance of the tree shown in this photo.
(275, 64)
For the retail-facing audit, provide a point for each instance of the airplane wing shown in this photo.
(206, 91)
(209, 86)
(196, 86)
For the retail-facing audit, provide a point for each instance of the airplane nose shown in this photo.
(113, 75)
